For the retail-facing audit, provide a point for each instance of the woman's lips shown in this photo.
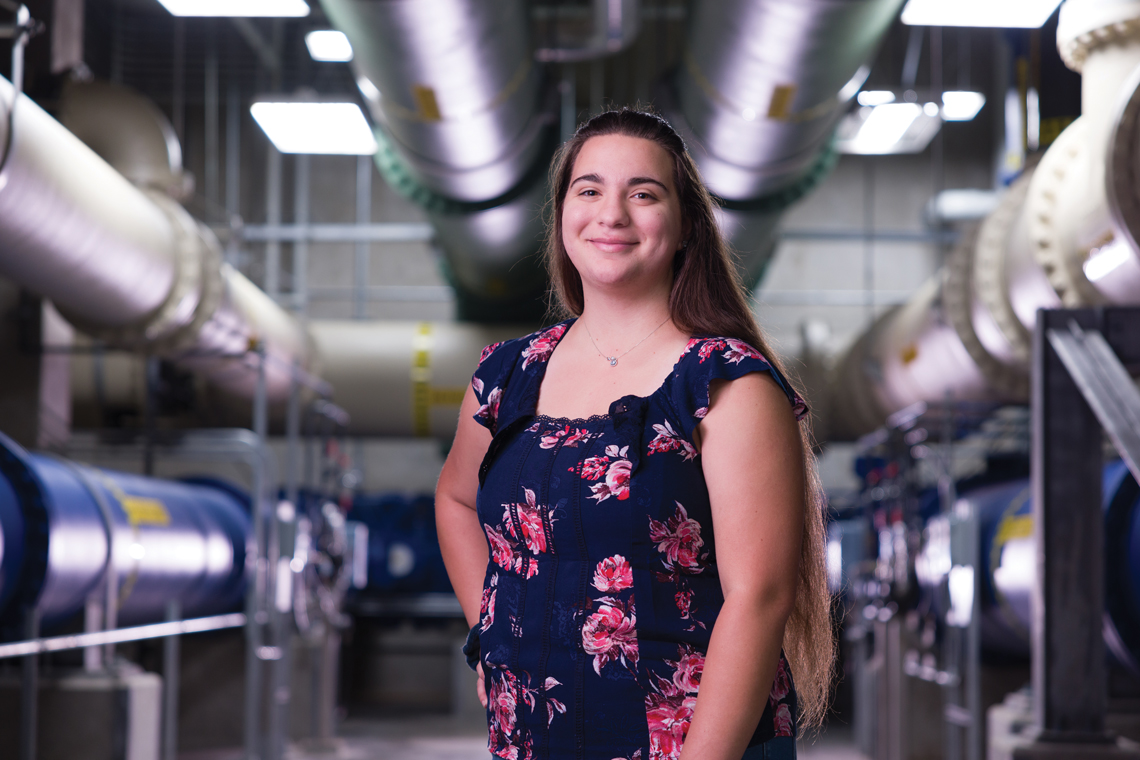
(612, 244)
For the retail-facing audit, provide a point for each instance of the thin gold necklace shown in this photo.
(613, 360)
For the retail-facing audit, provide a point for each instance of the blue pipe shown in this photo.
(63, 524)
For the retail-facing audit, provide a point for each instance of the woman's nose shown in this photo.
(613, 212)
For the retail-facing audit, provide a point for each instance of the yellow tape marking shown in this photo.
(143, 511)
(1020, 526)
(780, 107)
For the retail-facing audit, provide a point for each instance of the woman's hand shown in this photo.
(481, 686)
(461, 538)
(752, 460)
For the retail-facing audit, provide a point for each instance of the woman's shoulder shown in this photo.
(709, 358)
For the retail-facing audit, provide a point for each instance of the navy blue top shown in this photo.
(602, 587)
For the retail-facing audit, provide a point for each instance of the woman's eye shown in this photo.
(643, 196)
(589, 193)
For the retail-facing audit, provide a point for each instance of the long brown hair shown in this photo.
(708, 299)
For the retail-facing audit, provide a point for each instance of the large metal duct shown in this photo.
(127, 264)
(464, 131)
(64, 525)
(757, 97)
(1063, 235)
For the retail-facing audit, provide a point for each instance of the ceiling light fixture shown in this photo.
(961, 105)
(1007, 14)
(889, 128)
(238, 8)
(328, 45)
(875, 97)
(315, 128)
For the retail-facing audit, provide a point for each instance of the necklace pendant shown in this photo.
(613, 360)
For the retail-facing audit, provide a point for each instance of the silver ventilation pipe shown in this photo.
(760, 89)
(464, 131)
(1064, 235)
(127, 264)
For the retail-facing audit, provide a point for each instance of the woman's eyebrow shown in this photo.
(647, 181)
(588, 178)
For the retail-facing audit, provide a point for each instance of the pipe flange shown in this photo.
(1060, 165)
(958, 303)
(988, 267)
(1075, 50)
(195, 294)
(1122, 164)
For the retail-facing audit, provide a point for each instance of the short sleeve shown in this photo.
(708, 359)
(488, 381)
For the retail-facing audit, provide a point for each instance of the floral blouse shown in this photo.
(602, 586)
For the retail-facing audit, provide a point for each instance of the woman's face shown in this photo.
(621, 221)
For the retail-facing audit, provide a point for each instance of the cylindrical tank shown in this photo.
(64, 524)
(1008, 557)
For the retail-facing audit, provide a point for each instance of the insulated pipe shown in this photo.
(462, 130)
(760, 89)
(453, 87)
(129, 265)
(64, 524)
(1058, 238)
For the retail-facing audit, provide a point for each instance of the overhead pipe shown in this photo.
(761, 87)
(1064, 235)
(614, 26)
(124, 262)
(464, 130)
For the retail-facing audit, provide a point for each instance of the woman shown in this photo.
(613, 557)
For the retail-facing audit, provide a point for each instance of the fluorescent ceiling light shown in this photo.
(328, 45)
(889, 128)
(961, 105)
(238, 8)
(1008, 14)
(324, 128)
(876, 97)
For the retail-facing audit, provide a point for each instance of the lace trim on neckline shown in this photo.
(593, 418)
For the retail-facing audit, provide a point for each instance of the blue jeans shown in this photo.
(778, 748)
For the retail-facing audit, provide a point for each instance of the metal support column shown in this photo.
(29, 689)
(171, 681)
(301, 247)
(1069, 676)
(363, 250)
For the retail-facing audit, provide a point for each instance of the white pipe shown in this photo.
(130, 266)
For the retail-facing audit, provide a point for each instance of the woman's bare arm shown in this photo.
(752, 460)
(461, 538)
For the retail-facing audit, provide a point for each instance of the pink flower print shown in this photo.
(577, 436)
(530, 520)
(782, 685)
(487, 605)
(738, 351)
(783, 721)
(708, 347)
(572, 437)
(668, 721)
(669, 440)
(594, 467)
(684, 600)
(502, 550)
(611, 634)
(542, 345)
(503, 707)
(488, 351)
(613, 574)
(504, 554)
(679, 539)
(701, 413)
(614, 451)
(687, 676)
(693, 342)
(477, 385)
(617, 478)
(490, 410)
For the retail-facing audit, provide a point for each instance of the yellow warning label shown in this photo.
(780, 107)
(426, 105)
(1019, 526)
(424, 396)
(143, 511)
